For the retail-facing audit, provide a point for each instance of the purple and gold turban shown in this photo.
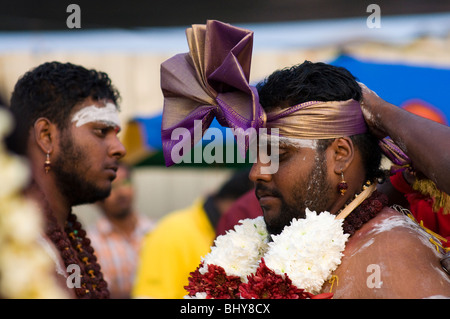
(212, 80)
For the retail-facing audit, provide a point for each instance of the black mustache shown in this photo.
(262, 190)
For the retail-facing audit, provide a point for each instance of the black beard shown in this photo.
(316, 197)
(71, 179)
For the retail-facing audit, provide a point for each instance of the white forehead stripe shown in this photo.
(290, 141)
(298, 142)
(107, 114)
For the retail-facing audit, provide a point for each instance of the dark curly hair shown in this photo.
(51, 90)
(320, 82)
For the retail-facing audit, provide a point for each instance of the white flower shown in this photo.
(239, 250)
(14, 174)
(24, 225)
(198, 295)
(6, 123)
(27, 271)
(308, 250)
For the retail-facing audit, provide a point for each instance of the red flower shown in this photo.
(216, 283)
(266, 284)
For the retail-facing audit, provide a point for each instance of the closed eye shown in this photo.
(101, 131)
(105, 130)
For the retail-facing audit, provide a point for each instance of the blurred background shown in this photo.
(401, 51)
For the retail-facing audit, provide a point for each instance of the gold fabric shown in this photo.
(319, 120)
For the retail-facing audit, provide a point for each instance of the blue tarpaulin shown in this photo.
(401, 84)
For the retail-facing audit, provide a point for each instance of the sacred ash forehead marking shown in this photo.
(297, 142)
(89, 114)
(290, 141)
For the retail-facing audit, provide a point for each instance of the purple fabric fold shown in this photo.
(212, 80)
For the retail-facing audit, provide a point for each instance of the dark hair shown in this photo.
(320, 82)
(307, 82)
(51, 90)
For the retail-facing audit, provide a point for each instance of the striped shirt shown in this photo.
(118, 253)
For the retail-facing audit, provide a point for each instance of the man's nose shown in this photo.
(117, 148)
(256, 173)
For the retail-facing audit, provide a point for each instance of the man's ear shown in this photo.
(344, 153)
(45, 134)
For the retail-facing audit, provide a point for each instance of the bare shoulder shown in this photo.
(392, 226)
(391, 256)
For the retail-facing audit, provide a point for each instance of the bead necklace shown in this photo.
(92, 279)
(362, 208)
(75, 249)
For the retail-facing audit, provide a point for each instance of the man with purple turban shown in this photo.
(327, 158)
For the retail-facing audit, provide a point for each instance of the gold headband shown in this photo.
(319, 120)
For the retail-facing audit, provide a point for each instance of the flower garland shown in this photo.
(26, 270)
(239, 252)
(244, 264)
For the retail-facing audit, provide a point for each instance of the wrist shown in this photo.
(383, 113)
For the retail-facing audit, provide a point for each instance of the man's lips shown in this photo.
(261, 195)
(267, 201)
(112, 170)
(265, 195)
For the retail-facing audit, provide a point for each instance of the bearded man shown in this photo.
(326, 173)
(67, 124)
(327, 158)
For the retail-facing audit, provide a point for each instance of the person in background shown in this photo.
(247, 206)
(118, 233)
(174, 248)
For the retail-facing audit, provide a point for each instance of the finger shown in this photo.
(365, 89)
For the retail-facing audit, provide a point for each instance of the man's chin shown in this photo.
(277, 220)
(272, 225)
(90, 197)
(273, 229)
(103, 194)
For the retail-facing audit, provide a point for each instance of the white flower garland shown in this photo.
(308, 250)
(26, 271)
(240, 250)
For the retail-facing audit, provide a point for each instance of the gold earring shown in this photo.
(47, 163)
(342, 186)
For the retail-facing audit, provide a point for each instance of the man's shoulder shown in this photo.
(393, 230)
(393, 249)
(399, 224)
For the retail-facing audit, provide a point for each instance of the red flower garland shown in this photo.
(266, 284)
(215, 282)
